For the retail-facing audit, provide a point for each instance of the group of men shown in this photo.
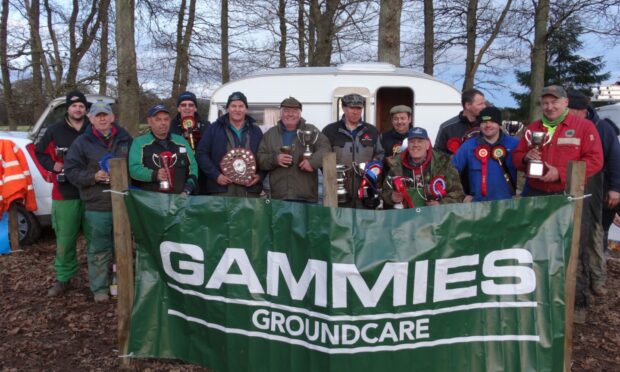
(473, 159)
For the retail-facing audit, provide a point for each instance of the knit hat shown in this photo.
(237, 96)
(291, 102)
(187, 96)
(75, 96)
(491, 113)
(577, 100)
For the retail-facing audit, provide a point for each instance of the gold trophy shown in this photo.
(538, 140)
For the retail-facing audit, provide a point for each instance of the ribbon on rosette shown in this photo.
(482, 153)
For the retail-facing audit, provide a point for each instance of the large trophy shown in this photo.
(59, 156)
(239, 164)
(369, 190)
(166, 161)
(307, 137)
(536, 139)
(400, 184)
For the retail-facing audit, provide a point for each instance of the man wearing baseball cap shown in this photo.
(421, 176)
(234, 130)
(292, 175)
(566, 137)
(86, 166)
(354, 141)
(67, 208)
(162, 161)
(487, 160)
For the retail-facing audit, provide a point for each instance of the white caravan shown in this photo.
(320, 89)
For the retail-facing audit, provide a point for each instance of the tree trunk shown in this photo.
(324, 25)
(537, 78)
(104, 49)
(429, 37)
(282, 20)
(128, 90)
(301, 27)
(389, 31)
(56, 64)
(314, 9)
(88, 31)
(472, 22)
(4, 65)
(224, 43)
(184, 37)
(38, 102)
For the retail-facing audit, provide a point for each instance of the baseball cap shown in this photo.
(157, 108)
(577, 100)
(100, 107)
(417, 132)
(553, 90)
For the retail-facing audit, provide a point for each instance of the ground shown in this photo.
(74, 333)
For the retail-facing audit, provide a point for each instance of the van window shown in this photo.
(385, 99)
(266, 115)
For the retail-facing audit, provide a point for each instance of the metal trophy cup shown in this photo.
(165, 161)
(307, 137)
(60, 157)
(536, 139)
(341, 179)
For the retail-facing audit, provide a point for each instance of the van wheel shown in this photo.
(27, 225)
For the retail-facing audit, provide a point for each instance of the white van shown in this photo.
(320, 89)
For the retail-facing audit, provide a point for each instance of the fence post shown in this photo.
(330, 197)
(13, 227)
(575, 184)
(123, 249)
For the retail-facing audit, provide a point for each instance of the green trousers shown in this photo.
(99, 249)
(67, 216)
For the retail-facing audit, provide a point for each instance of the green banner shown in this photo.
(263, 285)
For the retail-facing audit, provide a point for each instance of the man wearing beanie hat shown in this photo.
(354, 141)
(430, 178)
(487, 160)
(235, 129)
(392, 140)
(568, 138)
(291, 175)
(604, 187)
(67, 208)
(190, 125)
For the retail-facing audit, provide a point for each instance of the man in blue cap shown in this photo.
(421, 176)
(162, 161)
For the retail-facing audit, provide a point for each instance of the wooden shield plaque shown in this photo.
(239, 165)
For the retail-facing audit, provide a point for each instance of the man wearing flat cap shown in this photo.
(565, 136)
(487, 160)
(161, 161)
(67, 208)
(392, 140)
(234, 130)
(292, 175)
(421, 176)
(355, 142)
(86, 166)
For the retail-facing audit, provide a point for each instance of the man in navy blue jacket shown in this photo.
(233, 130)
(605, 189)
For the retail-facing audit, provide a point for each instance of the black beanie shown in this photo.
(237, 96)
(577, 100)
(186, 96)
(75, 96)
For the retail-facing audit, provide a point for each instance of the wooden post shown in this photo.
(575, 185)
(123, 248)
(330, 197)
(13, 227)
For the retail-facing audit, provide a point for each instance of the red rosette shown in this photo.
(437, 187)
(482, 153)
(453, 144)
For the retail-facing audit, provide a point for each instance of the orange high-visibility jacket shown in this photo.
(15, 178)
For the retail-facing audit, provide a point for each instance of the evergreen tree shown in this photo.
(564, 67)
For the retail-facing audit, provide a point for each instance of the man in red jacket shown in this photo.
(566, 138)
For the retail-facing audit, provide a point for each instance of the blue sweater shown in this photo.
(214, 144)
(465, 161)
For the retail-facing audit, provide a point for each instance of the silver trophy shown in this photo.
(538, 140)
(307, 137)
(341, 179)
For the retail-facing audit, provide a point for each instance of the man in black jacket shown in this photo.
(67, 208)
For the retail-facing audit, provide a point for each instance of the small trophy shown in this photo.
(341, 180)
(189, 123)
(307, 138)
(287, 150)
(536, 139)
(61, 152)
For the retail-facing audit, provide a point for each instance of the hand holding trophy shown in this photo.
(536, 140)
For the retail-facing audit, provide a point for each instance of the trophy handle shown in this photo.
(316, 136)
(548, 138)
(528, 137)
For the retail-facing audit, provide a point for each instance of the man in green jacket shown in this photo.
(162, 161)
(293, 171)
(429, 177)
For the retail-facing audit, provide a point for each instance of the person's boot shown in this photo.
(57, 289)
(101, 297)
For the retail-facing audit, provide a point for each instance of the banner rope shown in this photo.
(124, 193)
(572, 198)
(130, 355)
